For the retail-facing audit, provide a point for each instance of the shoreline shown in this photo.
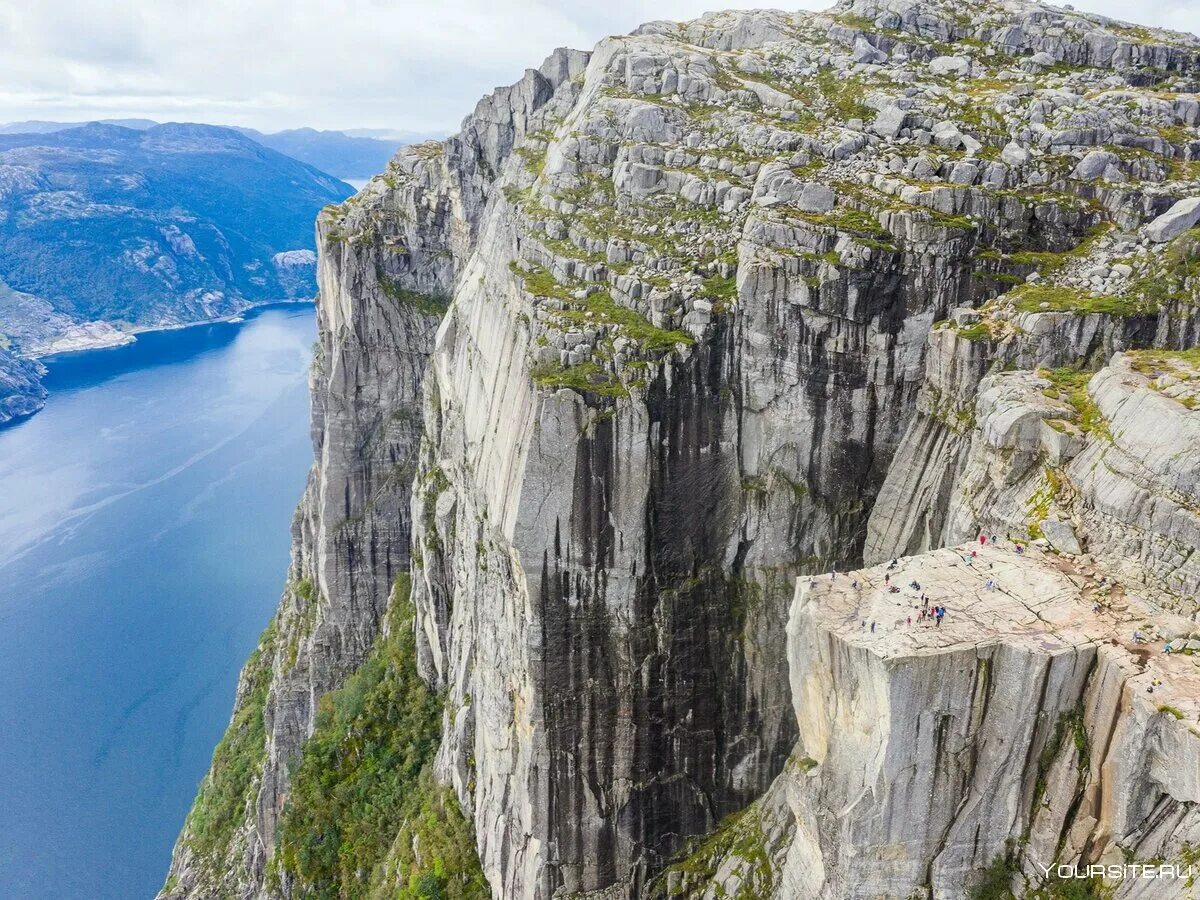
(128, 339)
(130, 336)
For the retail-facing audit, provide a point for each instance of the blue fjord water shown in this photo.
(144, 532)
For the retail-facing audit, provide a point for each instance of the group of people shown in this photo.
(934, 612)
(937, 613)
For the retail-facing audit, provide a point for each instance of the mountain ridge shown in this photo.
(354, 153)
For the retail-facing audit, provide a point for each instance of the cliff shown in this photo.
(664, 328)
(1024, 731)
(21, 391)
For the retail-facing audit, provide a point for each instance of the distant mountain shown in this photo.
(355, 154)
(331, 151)
(399, 137)
(41, 126)
(106, 230)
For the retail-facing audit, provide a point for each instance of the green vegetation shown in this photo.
(994, 885)
(871, 202)
(1070, 385)
(433, 484)
(534, 158)
(997, 878)
(299, 627)
(739, 835)
(363, 783)
(427, 150)
(722, 291)
(427, 304)
(230, 786)
(1176, 277)
(1070, 724)
(806, 764)
(1183, 365)
(597, 308)
(844, 96)
(433, 856)
(587, 377)
(1071, 889)
(1033, 298)
(979, 331)
(1171, 710)
(605, 310)
(1037, 508)
(846, 218)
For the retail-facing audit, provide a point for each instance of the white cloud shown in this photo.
(285, 63)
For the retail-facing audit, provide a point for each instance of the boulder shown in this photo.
(778, 186)
(867, 54)
(1061, 537)
(1096, 164)
(956, 66)
(1175, 221)
(889, 122)
(1014, 154)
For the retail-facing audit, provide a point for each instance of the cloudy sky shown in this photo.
(271, 64)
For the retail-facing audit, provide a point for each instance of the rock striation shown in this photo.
(720, 305)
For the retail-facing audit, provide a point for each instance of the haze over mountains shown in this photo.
(107, 229)
(355, 154)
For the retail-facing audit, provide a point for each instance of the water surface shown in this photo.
(144, 533)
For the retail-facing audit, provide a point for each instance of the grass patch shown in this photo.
(1152, 363)
(1034, 298)
(426, 304)
(995, 881)
(364, 777)
(979, 331)
(739, 835)
(1070, 385)
(599, 308)
(721, 290)
(585, 378)
(1177, 277)
(858, 222)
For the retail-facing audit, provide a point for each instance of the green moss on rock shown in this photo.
(427, 304)
(739, 836)
(363, 778)
(1034, 298)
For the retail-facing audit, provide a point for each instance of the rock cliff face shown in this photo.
(1023, 731)
(720, 305)
(21, 391)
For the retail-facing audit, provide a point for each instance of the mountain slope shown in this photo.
(154, 226)
(104, 227)
(670, 328)
(21, 391)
